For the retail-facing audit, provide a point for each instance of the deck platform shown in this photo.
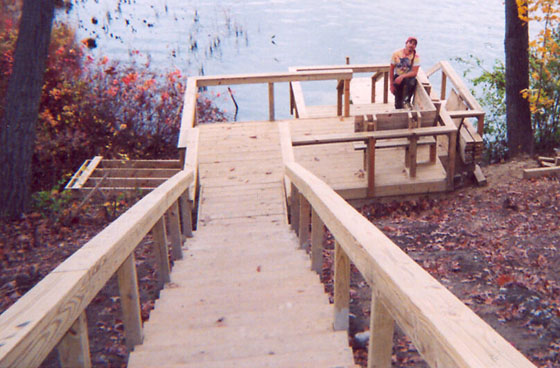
(244, 294)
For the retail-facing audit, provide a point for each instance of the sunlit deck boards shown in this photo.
(244, 294)
(342, 167)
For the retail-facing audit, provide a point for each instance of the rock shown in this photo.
(361, 339)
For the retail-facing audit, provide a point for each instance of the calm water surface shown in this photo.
(246, 36)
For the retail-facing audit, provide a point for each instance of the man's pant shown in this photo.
(404, 91)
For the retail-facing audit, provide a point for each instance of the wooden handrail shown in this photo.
(41, 318)
(474, 107)
(444, 330)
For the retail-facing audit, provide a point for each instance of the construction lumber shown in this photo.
(541, 171)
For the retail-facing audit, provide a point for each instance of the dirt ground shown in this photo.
(495, 247)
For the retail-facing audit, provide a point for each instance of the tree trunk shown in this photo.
(17, 132)
(518, 114)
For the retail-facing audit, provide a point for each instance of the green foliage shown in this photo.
(53, 204)
(96, 107)
(490, 91)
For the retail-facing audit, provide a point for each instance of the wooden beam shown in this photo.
(412, 152)
(186, 216)
(304, 221)
(356, 68)
(188, 118)
(73, 349)
(317, 232)
(541, 171)
(161, 252)
(386, 87)
(341, 288)
(140, 164)
(224, 80)
(381, 331)
(130, 303)
(271, 101)
(135, 172)
(175, 237)
(287, 152)
(370, 166)
(444, 330)
(346, 97)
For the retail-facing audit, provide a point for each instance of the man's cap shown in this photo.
(412, 39)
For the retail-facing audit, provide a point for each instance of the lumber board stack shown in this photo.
(244, 294)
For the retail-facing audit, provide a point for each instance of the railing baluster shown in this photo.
(130, 302)
(161, 252)
(341, 288)
(175, 231)
(294, 209)
(382, 327)
(317, 232)
(186, 215)
(73, 348)
(304, 220)
(271, 101)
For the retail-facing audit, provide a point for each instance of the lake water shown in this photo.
(256, 36)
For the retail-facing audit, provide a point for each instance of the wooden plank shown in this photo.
(220, 80)
(341, 288)
(446, 332)
(28, 333)
(304, 221)
(370, 166)
(161, 252)
(362, 136)
(186, 216)
(540, 171)
(174, 229)
(317, 233)
(479, 176)
(381, 330)
(271, 101)
(299, 100)
(412, 156)
(126, 182)
(135, 172)
(188, 118)
(192, 138)
(287, 152)
(86, 173)
(356, 68)
(73, 349)
(147, 164)
(130, 303)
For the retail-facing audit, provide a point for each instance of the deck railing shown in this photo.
(444, 330)
(474, 110)
(194, 83)
(52, 314)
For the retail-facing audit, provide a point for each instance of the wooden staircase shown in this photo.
(244, 294)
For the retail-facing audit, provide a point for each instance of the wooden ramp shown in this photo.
(244, 294)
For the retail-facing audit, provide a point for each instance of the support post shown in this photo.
(443, 85)
(317, 232)
(412, 155)
(386, 87)
(186, 216)
(304, 220)
(175, 231)
(130, 302)
(339, 92)
(271, 101)
(341, 288)
(381, 330)
(346, 97)
(370, 166)
(452, 151)
(73, 348)
(294, 209)
(373, 83)
(161, 252)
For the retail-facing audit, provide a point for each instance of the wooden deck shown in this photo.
(342, 167)
(244, 294)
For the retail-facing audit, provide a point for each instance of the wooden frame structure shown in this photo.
(445, 331)
(52, 314)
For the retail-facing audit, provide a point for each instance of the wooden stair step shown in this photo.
(242, 224)
(225, 350)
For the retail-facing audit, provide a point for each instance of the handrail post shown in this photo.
(385, 87)
(341, 288)
(381, 330)
(161, 252)
(175, 231)
(271, 101)
(339, 93)
(370, 167)
(130, 302)
(317, 232)
(443, 85)
(186, 215)
(294, 209)
(346, 97)
(73, 348)
(304, 220)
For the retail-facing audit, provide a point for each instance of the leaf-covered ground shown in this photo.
(496, 247)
